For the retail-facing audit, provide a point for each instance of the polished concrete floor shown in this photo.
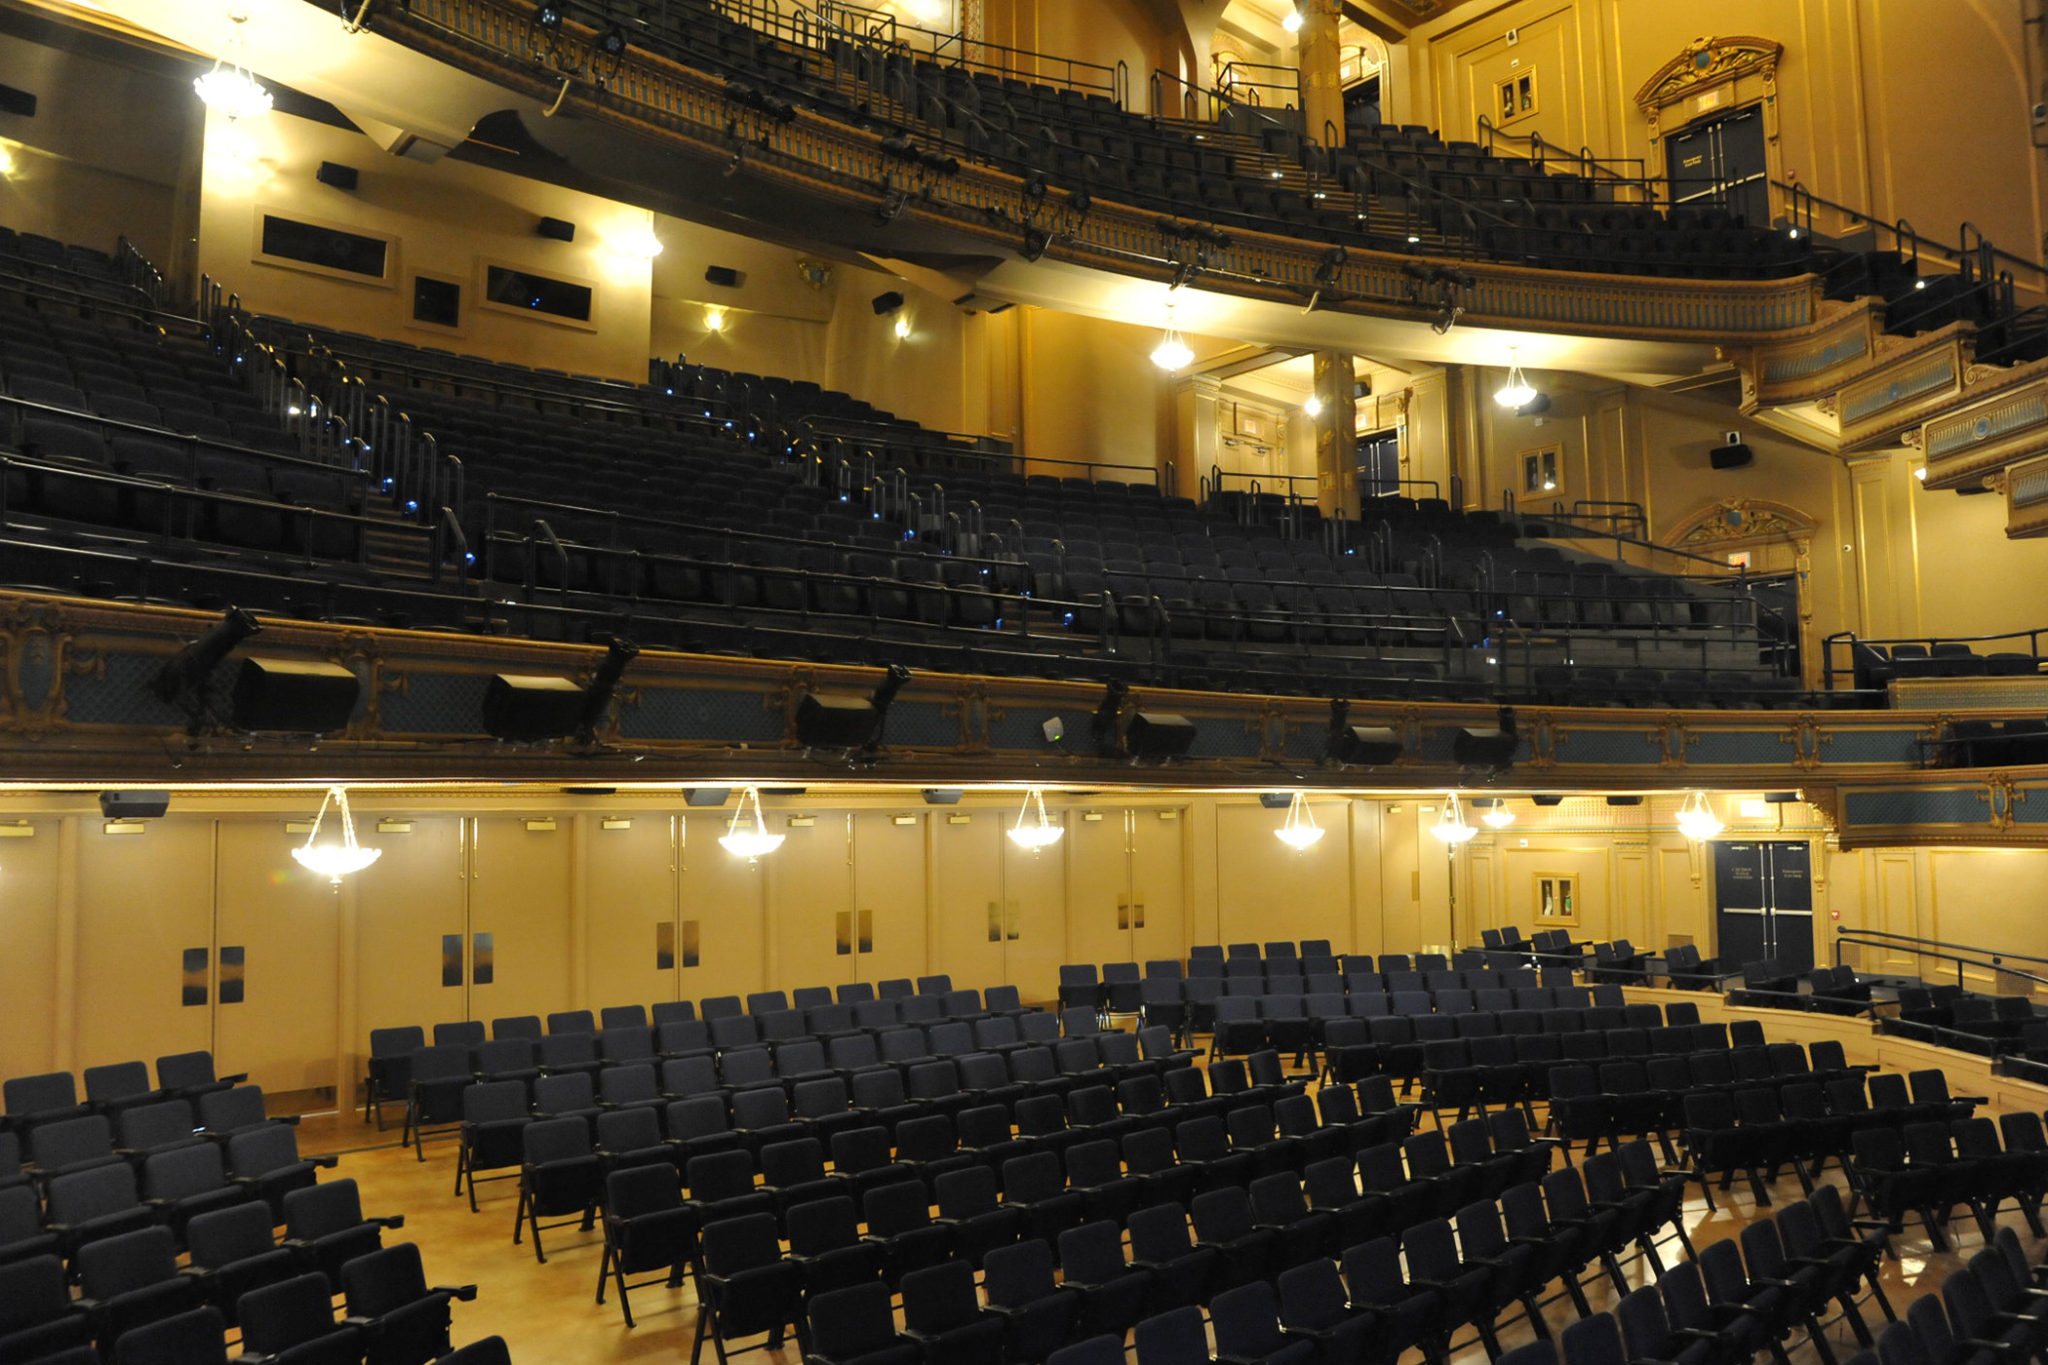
(548, 1313)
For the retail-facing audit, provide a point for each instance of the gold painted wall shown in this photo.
(97, 924)
(447, 220)
(1873, 100)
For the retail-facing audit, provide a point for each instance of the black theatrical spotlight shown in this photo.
(550, 13)
(182, 679)
(1109, 740)
(293, 696)
(846, 720)
(1491, 748)
(612, 42)
(1358, 746)
(1158, 735)
(597, 698)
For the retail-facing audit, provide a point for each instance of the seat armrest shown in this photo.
(464, 1292)
(393, 1221)
(326, 1161)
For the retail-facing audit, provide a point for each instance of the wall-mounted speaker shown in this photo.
(1276, 800)
(1732, 454)
(335, 174)
(137, 805)
(528, 708)
(1546, 799)
(556, 229)
(724, 276)
(887, 303)
(706, 796)
(293, 696)
(1624, 800)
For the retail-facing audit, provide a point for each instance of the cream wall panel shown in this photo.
(1364, 823)
(810, 886)
(1433, 930)
(1681, 896)
(406, 901)
(1035, 896)
(967, 897)
(1898, 911)
(1398, 892)
(1159, 859)
(520, 893)
(287, 921)
(1975, 898)
(726, 898)
(630, 889)
(889, 887)
(1098, 886)
(1204, 854)
(29, 970)
(1629, 895)
(1266, 890)
(143, 900)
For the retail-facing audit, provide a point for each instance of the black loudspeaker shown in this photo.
(147, 805)
(292, 696)
(1159, 734)
(1781, 798)
(835, 720)
(1276, 800)
(526, 707)
(1734, 455)
(1624, 800)
(1365, 746)
(1547, 800)
(706, 796)
(887, 303)
(1484, 748)
(18, 102)
(722, 275)
(335, 174)
(942, 796)
(557, 229)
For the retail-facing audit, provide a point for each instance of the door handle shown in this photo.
(482, 959)
(231, 986)
(193, 989)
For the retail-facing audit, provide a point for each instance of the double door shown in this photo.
(1722, 164)
(1125, 885)
(1763, 897)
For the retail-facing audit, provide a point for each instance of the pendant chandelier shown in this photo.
(335, 859)
(1300, 830)
(753, 840)
(230, 87)
(1451, 826)
(1034, 829)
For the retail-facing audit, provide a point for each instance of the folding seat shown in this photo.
(293, 1323)
(187, 1181)
(406, 1321)
(675, 1039)
(1247, 1326)
(121, 1085)
(1731, 1331)
(857, 1326)
(195, 1337)
(1036, 1313)
(825, 1240)
(1163, 1248)
(188, 1075)
(1803, 1290)
(1080, 986)
(748, 1288)
(102, 1201)
(560, 1177)
(1410, 1314)
(133, 1279)
(1648, 1334)
(67, 1146)
(1034, 1186)
(1315, 1308)
(232, 1251)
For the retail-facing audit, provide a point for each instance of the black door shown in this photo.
(1379, 465)
(1763, 898)
(1722, 165)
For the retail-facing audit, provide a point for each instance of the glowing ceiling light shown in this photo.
(641, 244)
(714, 319)
(755, 841)
(1517, 391)
(335, 859)
(1497, 815)
(1034, 828)
(230, 88)
(1291, 21)
(1696, 819)
(902, 326)
(1450, 825)
(1171, 353)
(1299, 830)
(1313, 407)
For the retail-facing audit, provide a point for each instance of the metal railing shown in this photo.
(1960, 956)
(1834, 646)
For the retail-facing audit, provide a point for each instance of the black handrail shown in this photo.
(2033, 637)
(1801, 202)
(1961, 954)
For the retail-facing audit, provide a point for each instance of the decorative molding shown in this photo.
(1905, 389)
(2026, 499)
(1735, 522)
(1705, 65)
(1814, 364)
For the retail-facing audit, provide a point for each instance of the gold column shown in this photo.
(1319, 57)
(1336, 434)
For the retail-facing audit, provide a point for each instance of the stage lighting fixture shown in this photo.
(183, 676)
(1359, 746)
(845, 720)
(597, 698)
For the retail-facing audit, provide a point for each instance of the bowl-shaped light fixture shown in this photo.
(230, 88)
(1518, 391)
(1497, 815)
(1696, 819)
(336, 858)
(1034, 829)
(1299, 830)
(749, 840)
(1451, 826)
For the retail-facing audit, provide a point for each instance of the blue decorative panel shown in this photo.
(1437, 744)
(1871, 746)
(1611, 747)
(1964, 807)
(704, 713)
(1225, 737)
(119, 694)
(923, 725)
(2030, 806)
(1756, 747)
(435, 704)
(1306, 743)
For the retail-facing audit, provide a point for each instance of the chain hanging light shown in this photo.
(1696, 819)
(230, 87)
(1034, 828)
(1299, 830)
(753, 840)
(1451, 826)
(1172, 352)
(335, 859)
(1497, 815)
(1518, 391)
